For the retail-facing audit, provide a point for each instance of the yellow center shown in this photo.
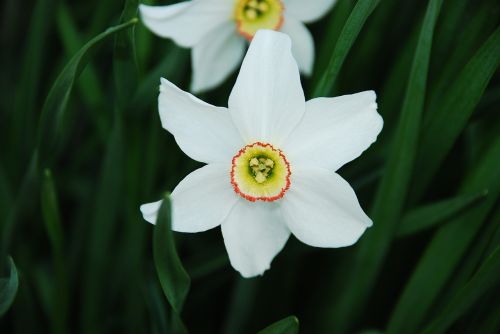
(260, 172)
(252, 15)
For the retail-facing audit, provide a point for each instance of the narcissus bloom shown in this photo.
(270, 158)
(218, 31)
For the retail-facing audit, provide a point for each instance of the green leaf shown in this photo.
(89, 84)
(174, 279)
(32, 66)
(124, 62)
(52, 219)
(447, 248)
(394, 184)
(50, 212)
(431, 215)
(486, 278)
(444, 125)
(57, 100)
(289, 325)
(336, 21)
(8, 287)
(350, 32)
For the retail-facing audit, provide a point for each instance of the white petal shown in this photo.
(334, 131)
(187, 23)
(308, 11)
(204, 132)
(203, 199)
(254, 233)
(321, 209)
(302, 43)
(267, 101)
(150, 211)
(216, 57)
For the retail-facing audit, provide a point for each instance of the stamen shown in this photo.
(260, 172)
(252, 15)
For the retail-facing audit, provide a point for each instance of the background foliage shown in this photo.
(82, 147)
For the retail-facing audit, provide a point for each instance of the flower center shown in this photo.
(260, 172)
(252, 15)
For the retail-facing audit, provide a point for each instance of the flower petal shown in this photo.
(308, 11)
(199, 202)
(254, 233)
(334, 131)
(216, 57)
(302, 43)
(204, 132)
(150, 211)
(187, 23)
(267, 101)
(321, 209)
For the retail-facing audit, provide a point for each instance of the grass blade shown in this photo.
(429, 216)
(57, 100)
(289, 325)
(394, 185)
(50, 212)
(174, 279)
(350, 32)
(8, 287)
(444, 125)
(446, 249)
(89, 84)
(33, 61)
(486, 277)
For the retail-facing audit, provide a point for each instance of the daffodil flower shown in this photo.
(218, 31)
(270, 158)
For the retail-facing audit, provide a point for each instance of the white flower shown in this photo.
(270, 158)
(218, 31)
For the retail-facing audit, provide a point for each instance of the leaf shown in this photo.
(57, 99)
(430, 215)
(32, 66)
(394, 184)
(8, 287)
(124, 62)
(174, 279)
(88, 83)
(336, 21)
(350, 32)
(444, 125)
(289, 325)
(447, 248)
(486, 278)
(50, 211)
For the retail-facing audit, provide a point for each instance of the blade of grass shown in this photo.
(444, 125)
(289, 325)
(446, 249)
(89, 84)
(57, 99)
(174, 279)
(52, 219)
(124, 58)
(486, 277)
(8, 287)
(429, 216)
(350, 32)
(393, 187)
(24, 114)
(337, 19)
